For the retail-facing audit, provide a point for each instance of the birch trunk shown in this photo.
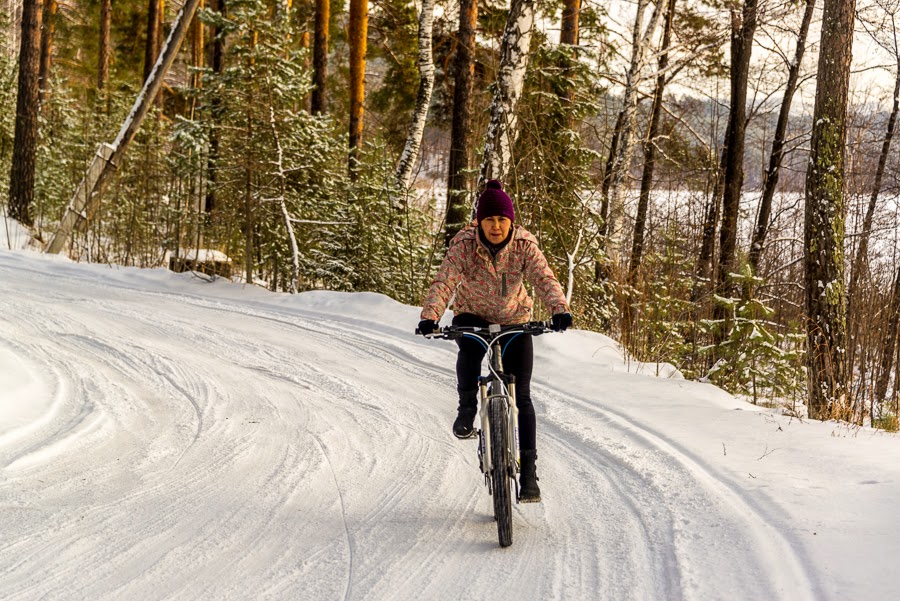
(497, 160)
(618, 179)
(423, 100)
(282, 202)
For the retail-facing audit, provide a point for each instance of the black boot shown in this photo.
(528, 480)
(465, 417)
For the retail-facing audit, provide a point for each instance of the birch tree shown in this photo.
(423, 99)
(497, 160)
(618, 176)
(824, 218)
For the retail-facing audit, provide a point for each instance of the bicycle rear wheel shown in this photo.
(500, 471)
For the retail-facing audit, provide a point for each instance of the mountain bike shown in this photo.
(498, 438)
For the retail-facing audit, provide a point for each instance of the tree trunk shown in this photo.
(889, 345)
(608, 171)
(217, 64)
(862, 253)
(151, 45)
(774, 170)
(743, 30)
(358, 32)
(198, 33)
(103, 52)
(710, 223)
(568, 36)
(319, 104)
(637, 246)
(48, 29)
(569, 32)
(497, 160)
(460, 137)
(21, 181)
(618, 178)
(423, 100)
(824, 221)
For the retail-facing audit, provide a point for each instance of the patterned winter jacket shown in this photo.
(492, 287)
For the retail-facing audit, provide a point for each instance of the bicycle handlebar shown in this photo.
(536, 328)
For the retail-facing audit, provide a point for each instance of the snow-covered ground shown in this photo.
(162, 437)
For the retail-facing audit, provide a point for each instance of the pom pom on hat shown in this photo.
(494, 202)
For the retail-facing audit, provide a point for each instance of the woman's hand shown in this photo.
(561, 322)
(427, 326)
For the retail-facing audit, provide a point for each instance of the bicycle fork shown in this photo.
(512, 425)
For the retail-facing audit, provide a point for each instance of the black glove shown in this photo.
(427, 326)
(561, 322)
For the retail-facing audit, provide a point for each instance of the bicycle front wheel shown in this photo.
(500, 471)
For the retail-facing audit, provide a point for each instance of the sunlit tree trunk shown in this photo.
(460, 136)
(824, 222)
(568, 36)
(21, 182)
(357, 33)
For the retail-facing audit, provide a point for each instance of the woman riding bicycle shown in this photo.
(485, 267)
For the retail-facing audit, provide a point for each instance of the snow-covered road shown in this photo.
(166, 438)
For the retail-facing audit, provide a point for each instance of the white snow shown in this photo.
(162, 437)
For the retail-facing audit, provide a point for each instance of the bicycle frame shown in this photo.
(496, 385)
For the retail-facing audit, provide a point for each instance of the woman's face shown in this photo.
(496, 229)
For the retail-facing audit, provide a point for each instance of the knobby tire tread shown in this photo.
(500, 473)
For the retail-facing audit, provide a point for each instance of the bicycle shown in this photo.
(498, 438)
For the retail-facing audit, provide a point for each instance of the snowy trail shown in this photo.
(183, 441)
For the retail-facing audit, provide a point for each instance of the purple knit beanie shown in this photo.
(494, 202)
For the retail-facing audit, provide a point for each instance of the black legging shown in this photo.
(518, 360)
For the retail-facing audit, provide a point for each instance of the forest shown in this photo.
(713, 181)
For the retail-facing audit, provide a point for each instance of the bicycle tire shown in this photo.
(500, 472)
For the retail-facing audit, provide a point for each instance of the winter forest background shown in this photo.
(713, 181)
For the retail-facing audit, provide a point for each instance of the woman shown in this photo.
(486, 266)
